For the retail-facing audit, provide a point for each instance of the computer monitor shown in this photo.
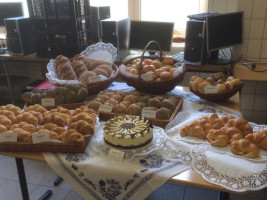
(224, 30)
(10, 9)
(142, 32)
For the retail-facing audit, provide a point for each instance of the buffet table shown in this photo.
(186, 175)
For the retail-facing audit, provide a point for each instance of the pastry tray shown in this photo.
(54, 147)
(157, 122)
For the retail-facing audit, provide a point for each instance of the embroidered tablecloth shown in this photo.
(95, 175)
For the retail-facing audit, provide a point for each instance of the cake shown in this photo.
(128, 131)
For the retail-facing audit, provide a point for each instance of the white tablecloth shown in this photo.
(95, 175)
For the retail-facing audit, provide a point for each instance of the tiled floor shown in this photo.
(40, 177)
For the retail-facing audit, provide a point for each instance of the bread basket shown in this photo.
(152, 87)
(99, 51)
(217, 97)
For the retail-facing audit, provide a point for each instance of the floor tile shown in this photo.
(11, 190)
(8, 168)
(257, 195)
(48, 181)
(2, 182)
(57, 194)
(193, 193)
(73, 195)
(35, 172)
(168, 191)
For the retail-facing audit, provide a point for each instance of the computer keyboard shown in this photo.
(179, 56)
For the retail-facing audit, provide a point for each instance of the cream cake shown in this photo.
(128, 131)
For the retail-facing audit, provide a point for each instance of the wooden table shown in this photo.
(188, 177)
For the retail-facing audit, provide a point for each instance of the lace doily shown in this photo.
(230, 172)
(99, 144)
(99, 51)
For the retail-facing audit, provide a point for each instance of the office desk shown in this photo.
(188, 177)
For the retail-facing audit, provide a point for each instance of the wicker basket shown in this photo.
(96, 87)
(218, 97)
(152, 87)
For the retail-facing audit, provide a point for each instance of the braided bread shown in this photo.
(5, 121)
(240, 124)
(193, 130)
(259, 138)
(82, 127)
(233, 133)
(217, 138)
(26, 117)
(79, 67)
(66, 72)
(245, 147)
(24, 126)
(72, 136)
(60, 59)
(16, 110)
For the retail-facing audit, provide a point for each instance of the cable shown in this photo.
(253, 66)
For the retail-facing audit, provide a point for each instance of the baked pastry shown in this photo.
(22, 135)
(134, 109)
(26, 117)
(60, 59)
(62, 110)
(3, 128)
(233, 133)
(217, 138)
(193, 130)
(259, 138)
(79, 57)
(82, 127)
(60, 131)
(15, 109)
(120, 108)
(128, 131)
(163, 113)
(79, 67)
(72, 136)
(168, 103)
(195, 83)
(24, 126)
(244, 147)
(240, 124)
(154, 103)
(84, 77)
(36, 108)
(65, 71)
(165, 76)
(130, 98)
(168, 61)
(54, 118)
(100, 71)
(94, 105)
(83, 116)
(105, 67)
(52, 134)
(10, 115)
(5, 121)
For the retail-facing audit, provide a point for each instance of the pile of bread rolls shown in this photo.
(160, 71)
(133, 102)
(72, 93)
(221, 131)
(81, 68)
(60, 123)
(220, 80)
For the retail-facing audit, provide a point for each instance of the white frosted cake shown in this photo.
(128, 131)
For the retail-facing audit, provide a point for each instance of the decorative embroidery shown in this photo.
(77, 157)
(110, 188)
(151, 161)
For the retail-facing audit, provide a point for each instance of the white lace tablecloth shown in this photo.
(96, 176)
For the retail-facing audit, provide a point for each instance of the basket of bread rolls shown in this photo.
(217, 87)
(97, 74)
(152, 74)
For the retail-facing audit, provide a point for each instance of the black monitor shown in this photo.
(224, 30)
(10, 9)
(144, 31)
